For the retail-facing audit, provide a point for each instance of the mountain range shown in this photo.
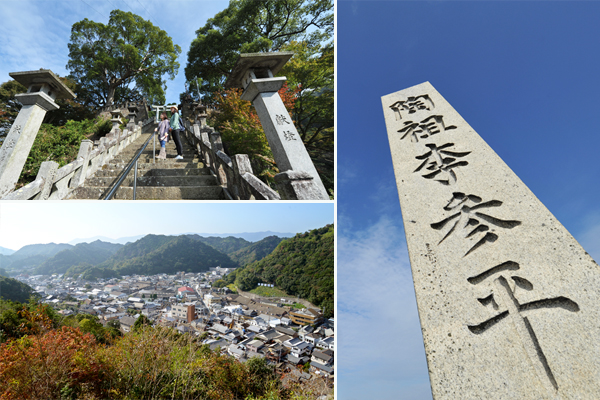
(248, 236)
(150, 254)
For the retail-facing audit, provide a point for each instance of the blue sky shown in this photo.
(24, 223)
(525, 76)
(34, 34)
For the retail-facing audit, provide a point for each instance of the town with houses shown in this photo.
(290, 333)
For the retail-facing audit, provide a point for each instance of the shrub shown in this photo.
(60, 144)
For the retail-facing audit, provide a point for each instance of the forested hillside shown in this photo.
(12, 289)
(301, 266)
(255, 251)
(155, 254)
(91, 253)
(225, 245)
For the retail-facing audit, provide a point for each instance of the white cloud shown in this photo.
(380, 346)
(35, 34)
(30, 39)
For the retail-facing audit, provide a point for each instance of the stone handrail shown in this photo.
(234, 174)
(53, 183)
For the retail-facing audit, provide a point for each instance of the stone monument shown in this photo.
(254, 72)
(43, 87)
(509, 302)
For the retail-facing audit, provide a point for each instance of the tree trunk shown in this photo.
(110, 98)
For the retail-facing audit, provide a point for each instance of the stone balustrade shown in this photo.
(234, 174)
(53, 183)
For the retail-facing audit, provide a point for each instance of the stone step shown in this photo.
(155, 193)
(200, 170)
(168, 179)
(164, 164)
(180, 172)
(159, 181)
(157, 161)
(148, 150)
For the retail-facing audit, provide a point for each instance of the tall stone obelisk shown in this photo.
(509, 302)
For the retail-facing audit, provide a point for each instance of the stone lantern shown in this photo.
(116, 119)
(201, 114)
(132, 114)
(43, 87)
(254, 72)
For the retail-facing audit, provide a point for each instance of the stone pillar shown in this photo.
(215, 141)
(85, 150)
(47, 172)
(508, 300)
(43, 88)
(254, 72)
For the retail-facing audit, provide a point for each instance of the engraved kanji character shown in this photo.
(412, 105)
(289, 135)
(281, 119)
(503, 300)
(469, 220)
(427, 127)
(436, 163)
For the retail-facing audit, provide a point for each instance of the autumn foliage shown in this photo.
(151, 363)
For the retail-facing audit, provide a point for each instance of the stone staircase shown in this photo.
(169, 179)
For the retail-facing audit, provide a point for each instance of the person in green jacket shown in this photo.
(176, 125)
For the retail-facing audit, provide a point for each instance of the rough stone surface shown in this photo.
(18, 142)
(296, 185)
(507, 298)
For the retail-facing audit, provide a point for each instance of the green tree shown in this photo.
(248, 26)
(311, 72)
(219, 283)
(9, 106)
(141, 321)
(106, 59)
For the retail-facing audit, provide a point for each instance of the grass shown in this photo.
(232, 287)
(269, 292)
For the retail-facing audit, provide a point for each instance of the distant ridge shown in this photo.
(5, 251)
(249, 236)
(121, 240)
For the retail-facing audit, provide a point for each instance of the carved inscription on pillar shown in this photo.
(508, 300)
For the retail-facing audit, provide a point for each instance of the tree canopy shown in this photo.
(106, 60)
(248, 26)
